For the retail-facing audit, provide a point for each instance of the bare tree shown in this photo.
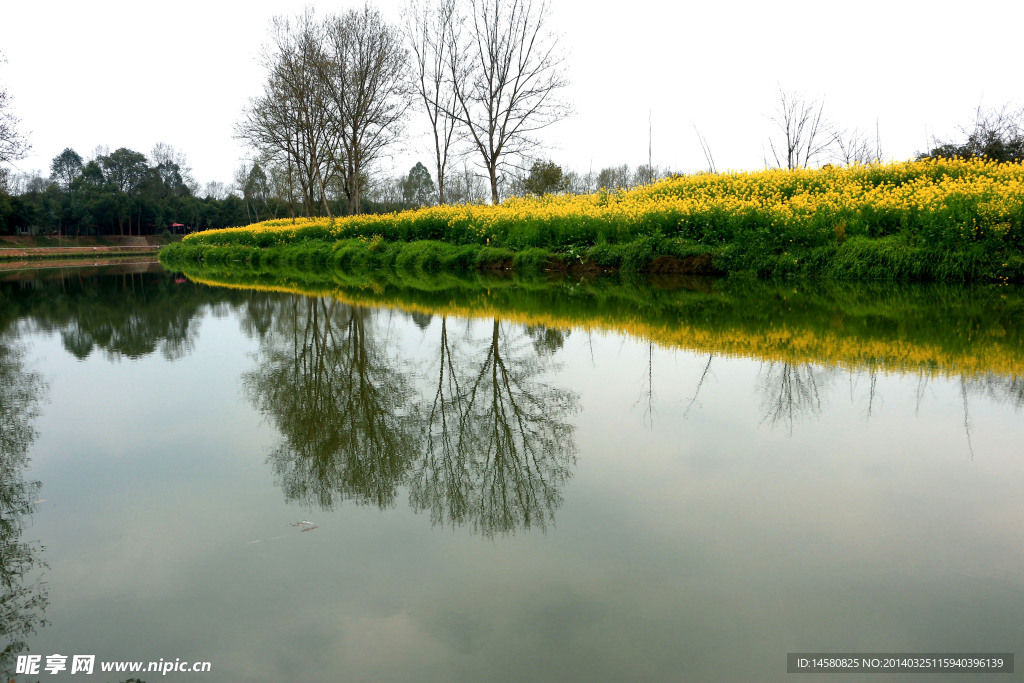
(385, 190)
(466, 187)
(577, 183)
(804, 134)
(615, 177)
(506, 70)
(282, 183)
(706, 149)
(252, 184)
(853, 146)
(216, 190)
(168, 160)
(428, 28)
(293, 121)
(13, 143)
(790, 391)
(366, 80)
(646, 174)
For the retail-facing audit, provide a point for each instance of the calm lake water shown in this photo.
(502, 481)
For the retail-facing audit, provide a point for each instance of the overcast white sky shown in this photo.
(124, 73)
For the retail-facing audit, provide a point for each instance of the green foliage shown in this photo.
(545, 177)
(418, 187)
(532, 260)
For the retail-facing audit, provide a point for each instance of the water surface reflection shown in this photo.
(487, 446)
(512, 480)
(23, 594)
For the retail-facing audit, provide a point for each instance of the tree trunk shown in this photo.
(492, 171)
(323, 194)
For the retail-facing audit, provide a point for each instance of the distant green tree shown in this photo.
(97, 199)
(545, 178)
(6, 208)
(124, 170)
(65, 167)
(418, 188)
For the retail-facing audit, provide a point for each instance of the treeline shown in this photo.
(124, 192)
(115, 193)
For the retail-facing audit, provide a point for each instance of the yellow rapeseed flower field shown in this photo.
(936, 199)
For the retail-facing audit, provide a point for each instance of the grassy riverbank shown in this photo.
(949, 220)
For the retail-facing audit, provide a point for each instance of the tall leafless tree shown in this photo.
(803, 132)
(365, 75)
(293, 122)
(428, 26)
(506, 68)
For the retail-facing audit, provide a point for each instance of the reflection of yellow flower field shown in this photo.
(987, 352)
(945, 200)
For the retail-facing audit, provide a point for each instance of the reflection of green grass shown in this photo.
(932, 328)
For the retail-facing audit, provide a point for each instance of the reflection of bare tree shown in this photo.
(258, 314)
(872, 390)
(23, 596)
(647, 395)
(342, 408)
(1005, 389)
(790, 392)
(700, 384)
(489, 449)
(512, 453)
(1001, 389)
(922, 384)
(441, 481)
